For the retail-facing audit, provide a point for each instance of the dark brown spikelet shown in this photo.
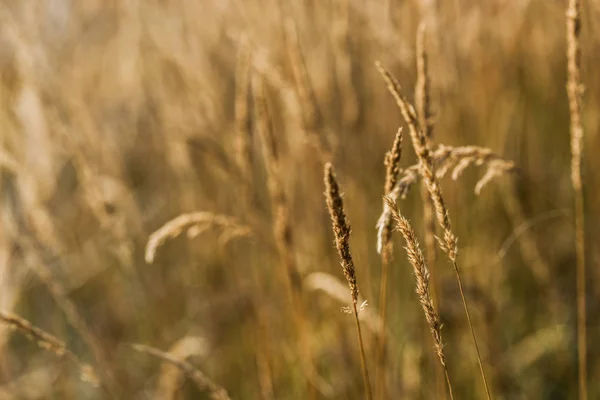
(341, 228)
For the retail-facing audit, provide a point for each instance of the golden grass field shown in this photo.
(181, 180)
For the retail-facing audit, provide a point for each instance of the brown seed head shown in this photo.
(417, 260)
(341, 228)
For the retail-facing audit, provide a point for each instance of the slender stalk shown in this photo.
(283, 235)
(425, 117)
(381, 342)
(51, 343)
(363, 360)
(574, 91)
(203, 382)
(449, 243)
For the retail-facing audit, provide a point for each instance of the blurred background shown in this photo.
(118, 116)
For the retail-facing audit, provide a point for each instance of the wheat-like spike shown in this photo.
(341, 228)
(392, 172)
(341, 231)
(49, 342)
(194, 223)
(574, 92)
(417, 260)
(203, 382)
(449, 243)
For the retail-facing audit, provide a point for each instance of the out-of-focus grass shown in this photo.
(119, 116)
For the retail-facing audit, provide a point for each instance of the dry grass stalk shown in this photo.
(341, 231)
(242, 115)
(385, 249)
(203, 382)
(422, 87)
(575, 91)
(73, 316)
(195, 223)
(310, 116)
(449, 243)
(424, 114)
(423, 108)
(169, 380)
(529, 247)
(415, 256)
(49, 342)
(343, 63)
(282, 230)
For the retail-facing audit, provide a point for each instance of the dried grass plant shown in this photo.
(575, 91)
(311, 118)
(117, 118)
(341, 231)
(72, 314)
(169, 380)
(243, 144)
(195, 223)
(283, 233)
(203, 382)
(449, 242)
(51, 343)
